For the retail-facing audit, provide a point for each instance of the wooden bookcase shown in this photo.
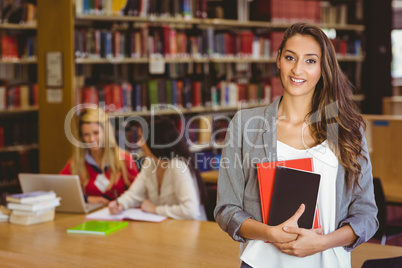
(18, 113)
(57, 21)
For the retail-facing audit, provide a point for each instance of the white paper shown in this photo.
(54, 95)
(129, 214)
(54, 69)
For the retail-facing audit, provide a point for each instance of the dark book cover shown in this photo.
(292, 188)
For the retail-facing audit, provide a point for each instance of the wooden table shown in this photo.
(172, 243)
(373, 251)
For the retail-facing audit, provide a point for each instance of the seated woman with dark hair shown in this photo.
(168, 183)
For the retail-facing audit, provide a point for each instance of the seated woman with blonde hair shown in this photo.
(105, 170)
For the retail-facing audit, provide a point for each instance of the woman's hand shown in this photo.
(98, 200)
(115, 208)
(308, 242)
(278, 233)
(148, 206)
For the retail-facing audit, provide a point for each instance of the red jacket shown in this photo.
(93, 172)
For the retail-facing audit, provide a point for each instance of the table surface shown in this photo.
(171, 243)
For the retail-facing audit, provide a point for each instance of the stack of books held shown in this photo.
(33, 207)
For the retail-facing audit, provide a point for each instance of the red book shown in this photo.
(35, 93)
(1, 137)
(17, 97)
(196, 93)
(247, 38)
(90, 95)
(166, 40)
(116, 44)
(108, 96)
(266, 179)
(117, 97)
(179, 93)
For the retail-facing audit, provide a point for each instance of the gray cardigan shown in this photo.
(251, 138)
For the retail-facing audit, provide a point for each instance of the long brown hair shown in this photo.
(112, 153)
(333, 115)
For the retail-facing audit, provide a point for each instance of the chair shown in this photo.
(210, 206)
(386, 229)
(395, 262)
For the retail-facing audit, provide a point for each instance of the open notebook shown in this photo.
(135, 214)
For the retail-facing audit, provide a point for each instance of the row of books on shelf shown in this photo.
(202, 132)
(32, 207)
(144, 8)
(9, 172)
(13, 163)
(17, 46)
(18, 11)
(171, 43)
(18, 132)
(185, 93)
(242, 10)
(18, 97)
(289, 11)
(17, 74)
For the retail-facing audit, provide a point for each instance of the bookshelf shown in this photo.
(18, 95)
(124, 66)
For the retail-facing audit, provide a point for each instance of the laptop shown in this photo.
(65, 186)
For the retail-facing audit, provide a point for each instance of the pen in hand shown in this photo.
(115, 208)
(115, 196)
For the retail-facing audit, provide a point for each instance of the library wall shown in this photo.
(204, 59)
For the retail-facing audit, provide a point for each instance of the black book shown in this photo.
(292, 188)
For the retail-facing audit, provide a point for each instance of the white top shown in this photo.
(260, 254)
(178, 197)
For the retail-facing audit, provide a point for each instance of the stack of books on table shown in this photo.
(33, 207)
(4, 214)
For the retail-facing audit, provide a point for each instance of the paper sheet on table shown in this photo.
(135, 214)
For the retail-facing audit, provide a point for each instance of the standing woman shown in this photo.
(316, 118)
(103, 167)
(169, 183)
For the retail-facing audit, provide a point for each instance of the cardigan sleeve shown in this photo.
(188, 207)
(229, 213)
(362, 212)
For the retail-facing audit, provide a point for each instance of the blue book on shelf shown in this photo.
(97, 227)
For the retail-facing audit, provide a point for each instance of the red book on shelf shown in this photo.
(247, 42)
(1, 136)
(108, 96)
(166, 40)
(266, 179)
(17, 97)
(197, 93)
(35, 92)
(90, 95)
(117, 97)
(179, 87)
